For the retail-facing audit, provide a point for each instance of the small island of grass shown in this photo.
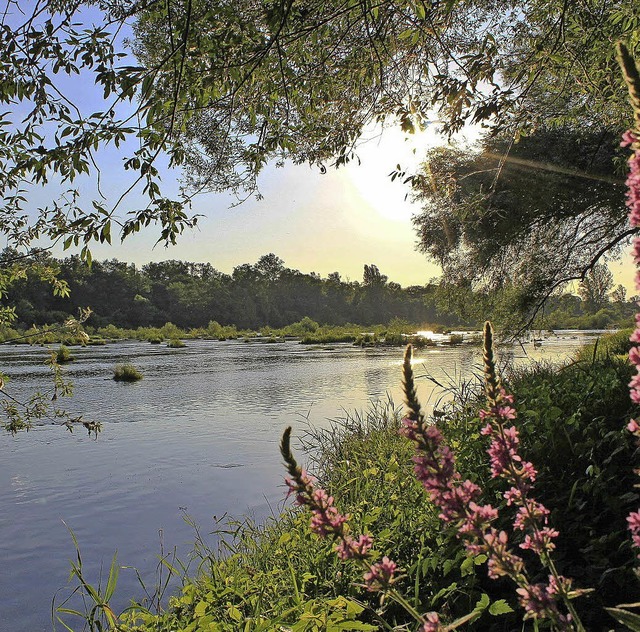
(126, 373)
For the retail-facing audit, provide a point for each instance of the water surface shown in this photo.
(198, 435)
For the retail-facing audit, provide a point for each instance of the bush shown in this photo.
(617, 344)
(126, 373)
(63, 355)
(176, 343)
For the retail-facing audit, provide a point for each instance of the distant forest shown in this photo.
(266, 293)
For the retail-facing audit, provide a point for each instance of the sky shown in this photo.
(337, 221)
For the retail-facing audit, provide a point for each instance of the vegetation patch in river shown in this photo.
(126, 373)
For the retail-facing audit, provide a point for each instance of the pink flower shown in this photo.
(506, 412)
(478, 519)
(349, 548)
(538, 601)
(513, 496)
(634, 389)
(432, 623)
(531, 514)
(380, 575)
(541, 541)
(634, 521)
(503, 451)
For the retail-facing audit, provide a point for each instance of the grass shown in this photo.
(176, 343)
(63, 355)
(126, 373)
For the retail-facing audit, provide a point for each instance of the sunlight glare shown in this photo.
(380, 154)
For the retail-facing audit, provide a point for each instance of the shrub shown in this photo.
(176, 343)
(617, 344)
(126, 373)
(63, 355)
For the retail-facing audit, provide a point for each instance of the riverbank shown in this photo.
(281, 576)
(396, 333)
(306, 331)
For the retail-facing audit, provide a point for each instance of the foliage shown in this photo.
(176, 343)
(266, 95)
(177, 295)
(126, 373)
(523, 218)
(194, 295)
(595, 287)
(617, 344)
(42, 406)
(226, 87)
(63, 355)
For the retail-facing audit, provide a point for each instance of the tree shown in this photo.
(372, 276)
(225, 87)
(595, 287)
(533, 214)
(619, 294)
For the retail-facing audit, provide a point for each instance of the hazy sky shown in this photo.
(337, 221)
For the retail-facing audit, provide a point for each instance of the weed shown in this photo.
(126, 373)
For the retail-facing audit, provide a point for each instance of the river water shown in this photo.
(198, 436)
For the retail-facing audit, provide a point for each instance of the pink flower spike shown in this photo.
(432, 623)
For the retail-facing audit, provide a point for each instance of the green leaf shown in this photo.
(113, 578)
(234, 613)
(201, 609)
(482, 603)
(630, 619)
(499, 607)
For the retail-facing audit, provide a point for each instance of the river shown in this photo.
(198, 436)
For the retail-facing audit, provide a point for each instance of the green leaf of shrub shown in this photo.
(629, 619)
(499, 607)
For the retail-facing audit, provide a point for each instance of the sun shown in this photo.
(380, 155)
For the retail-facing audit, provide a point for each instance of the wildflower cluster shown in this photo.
(459, 501)
(327, 521)
(631, 139)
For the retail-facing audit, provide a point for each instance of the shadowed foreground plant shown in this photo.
(458, 500)
(327, 521)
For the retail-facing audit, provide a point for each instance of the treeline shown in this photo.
(191, 295)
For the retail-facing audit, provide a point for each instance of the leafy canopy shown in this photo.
(532, 214)
(224, 87)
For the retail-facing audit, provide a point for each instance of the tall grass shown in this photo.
(126, 373)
